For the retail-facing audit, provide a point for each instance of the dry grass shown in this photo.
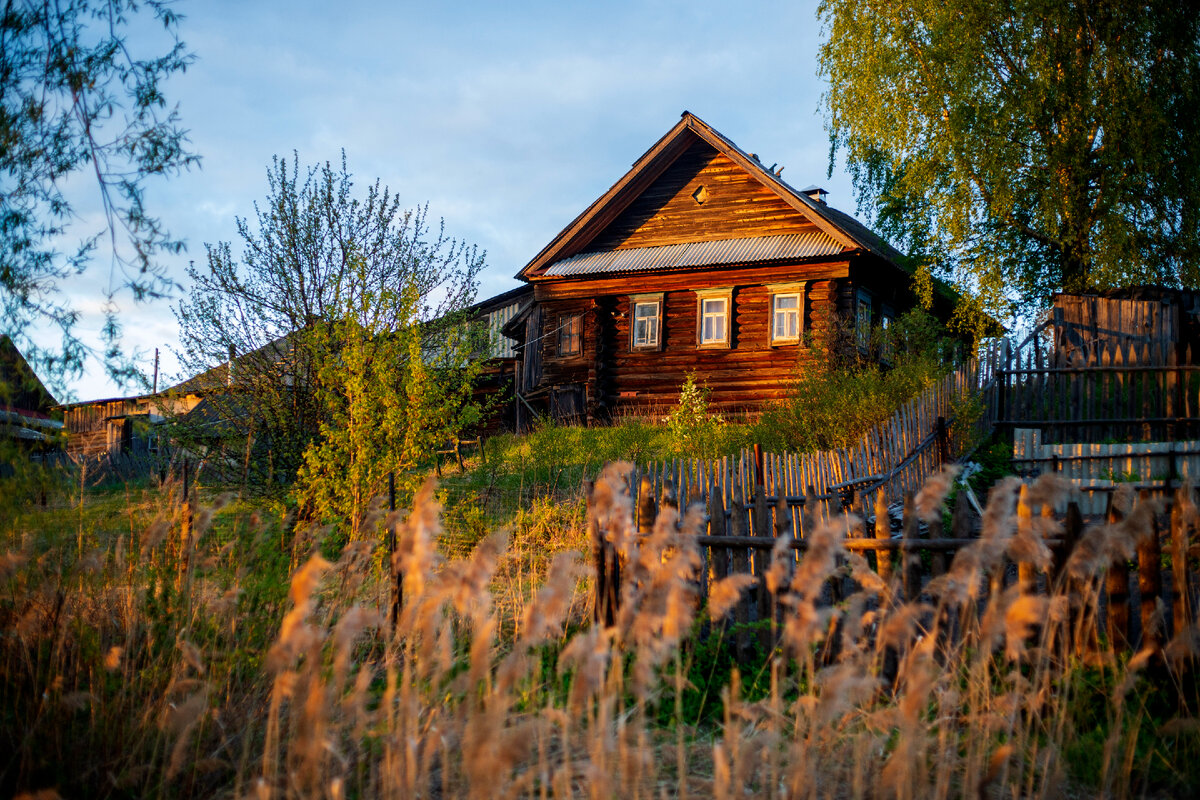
(173, 659)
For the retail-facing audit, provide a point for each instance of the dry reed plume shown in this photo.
(964, 690)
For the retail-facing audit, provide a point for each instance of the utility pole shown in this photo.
(155, 389)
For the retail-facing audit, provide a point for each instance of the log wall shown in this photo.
(615, 379)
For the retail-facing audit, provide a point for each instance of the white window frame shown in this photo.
(862, 322)
(795, 290)
(654, 341)
(709, 296)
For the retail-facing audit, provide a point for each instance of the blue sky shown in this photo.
(507, 119)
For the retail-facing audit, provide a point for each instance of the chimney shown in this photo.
(816, 194)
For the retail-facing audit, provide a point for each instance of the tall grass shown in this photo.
(215, 651)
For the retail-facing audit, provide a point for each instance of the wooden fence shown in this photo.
(1114, 390)
(892, 458)
(910, 554)
(1099, 469)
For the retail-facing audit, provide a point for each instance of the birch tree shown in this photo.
(1023, 147)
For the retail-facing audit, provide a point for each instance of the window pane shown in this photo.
(862, 322)
(570, 335)
(714, 313)
(645, 324)
(787, 316)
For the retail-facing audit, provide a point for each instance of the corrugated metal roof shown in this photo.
(812, 244)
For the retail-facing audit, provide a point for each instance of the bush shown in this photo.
(843, 393)
(695, 431)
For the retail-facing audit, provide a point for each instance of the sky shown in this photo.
(506, 119)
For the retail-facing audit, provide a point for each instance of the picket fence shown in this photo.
(889, 460)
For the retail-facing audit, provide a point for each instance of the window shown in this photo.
(570, 335)
(787, 313)
(713, 317)
(644, 331)
(862, 320)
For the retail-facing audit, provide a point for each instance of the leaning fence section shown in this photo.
(937, 426)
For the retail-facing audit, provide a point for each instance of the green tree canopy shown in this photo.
(1027, 146)
(78, 99)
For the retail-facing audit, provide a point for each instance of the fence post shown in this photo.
(185, 530)
(943, 441)
(1149, 554)
(937, 558)
(1181, 606)
(740, 565)
(883, 530)
(1117, 587)
(397, 601)
(911, 558)
(716, 527)
(647, 507)
(1084, 637)
(762, 512)
(1026, 572)
(602, 610)
(758, 465)
(783, 514)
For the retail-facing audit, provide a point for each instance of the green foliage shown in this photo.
(840, 396)
(696, 432)
(1144, 726)
(107, 634)
(320, 281)
(709, 659)
(77, 97)
(1027, 147)
(386, 401)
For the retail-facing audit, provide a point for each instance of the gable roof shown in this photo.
(840, 230)
(20, 387)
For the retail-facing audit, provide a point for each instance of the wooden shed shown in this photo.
(1159, 325)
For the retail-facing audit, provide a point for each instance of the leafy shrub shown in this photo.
(843, 392)
(695, 430)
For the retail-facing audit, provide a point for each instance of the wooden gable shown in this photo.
(650, 204)
(702, 196)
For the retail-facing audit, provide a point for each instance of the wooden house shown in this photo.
(495, 385)
(699, 259)
(123, 425)
(26, 406)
